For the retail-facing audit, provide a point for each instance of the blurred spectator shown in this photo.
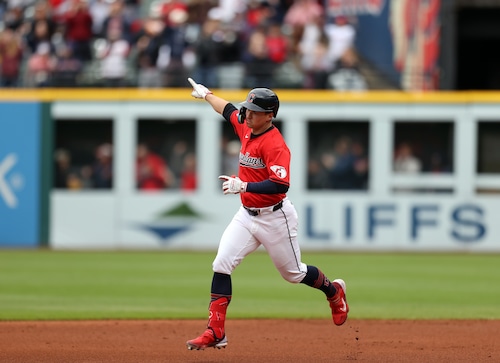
(152, 170)
(176, 158)
(259, 13)
(41, 28)
(131, 10)
(102, 169)
(230, 43)
(86, 181)
(317, 175)
(176, 59)
(99, 10)
(40, 66)
(149, 40)
(437, 153)
(345, 167)
(58, 9)
(405, 161)
(313, 52)
(74, 182)
(11, 55)
(216, 41)
(116, 24)
(67, 176)
(341, 35)
(148, 75)
(62, 168)
(198, 10)
(258, 65)
(280, 8)
(438, 164)
(347, 75)
(361, 165)
(66, 68)
(277, 44)
(113, 55)
(207, 54)
(299, 14)
(173, 12)
(13, 18)
(78, 23)
(188, 173)
(228, 11)
(342, 170)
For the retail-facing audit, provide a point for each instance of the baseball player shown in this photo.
(266, 217)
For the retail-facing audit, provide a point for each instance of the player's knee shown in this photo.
(294, 277)
(222, 266)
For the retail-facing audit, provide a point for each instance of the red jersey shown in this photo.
(262, 157)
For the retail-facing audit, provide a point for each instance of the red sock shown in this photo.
(217, 314)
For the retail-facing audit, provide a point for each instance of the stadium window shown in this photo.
(166, 155)
(488, 147)
(338, 155)
(83, 155)
(423, 147)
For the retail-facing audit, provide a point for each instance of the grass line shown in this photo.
(45, 284)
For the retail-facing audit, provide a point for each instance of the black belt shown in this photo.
(256, 212)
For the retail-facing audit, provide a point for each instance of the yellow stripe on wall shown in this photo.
(285, 95)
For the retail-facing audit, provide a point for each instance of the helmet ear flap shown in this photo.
(242, 115)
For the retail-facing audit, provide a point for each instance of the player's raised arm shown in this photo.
(200, 91)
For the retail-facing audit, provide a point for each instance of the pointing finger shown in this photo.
(193, 83)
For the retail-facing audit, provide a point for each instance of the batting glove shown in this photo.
(199, 90)
(233, 184)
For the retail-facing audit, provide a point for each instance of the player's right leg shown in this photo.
(206, 340)
(236, 243)
(214, 335)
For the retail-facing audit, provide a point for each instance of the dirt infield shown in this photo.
(258, 341)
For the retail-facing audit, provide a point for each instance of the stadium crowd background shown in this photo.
(158, 43)
(221, 43)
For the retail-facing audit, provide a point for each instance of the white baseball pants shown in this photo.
(275, 230)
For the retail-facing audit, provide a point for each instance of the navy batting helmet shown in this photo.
(263, 100)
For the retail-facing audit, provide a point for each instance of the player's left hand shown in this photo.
(233, 184)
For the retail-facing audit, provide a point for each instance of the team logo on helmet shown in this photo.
(251, 97)
(279, 170)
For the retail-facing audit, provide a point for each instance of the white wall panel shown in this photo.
(364, 220)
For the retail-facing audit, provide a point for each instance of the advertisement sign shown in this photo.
(19, 174)
(401, 38)
(455, 211)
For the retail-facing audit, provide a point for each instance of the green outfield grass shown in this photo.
(129, 285)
